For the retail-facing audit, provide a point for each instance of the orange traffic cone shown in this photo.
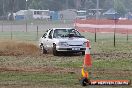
(87, 58)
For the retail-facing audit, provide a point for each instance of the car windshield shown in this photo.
(58, 33)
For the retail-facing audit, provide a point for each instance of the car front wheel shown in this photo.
(55, 52)
(43, 51)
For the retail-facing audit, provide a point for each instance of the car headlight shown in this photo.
(63, 44)
(84, 44)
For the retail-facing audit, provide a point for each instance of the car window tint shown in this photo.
(65, 32)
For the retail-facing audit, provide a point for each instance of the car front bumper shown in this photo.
(71, 49)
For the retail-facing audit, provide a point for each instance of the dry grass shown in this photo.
(13, 48)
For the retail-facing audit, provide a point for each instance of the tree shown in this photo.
(128, 4)
(119, 7)
(108, 4)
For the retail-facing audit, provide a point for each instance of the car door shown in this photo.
(43, 40)
(49, 39)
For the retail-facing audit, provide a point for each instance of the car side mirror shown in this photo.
(44, 36)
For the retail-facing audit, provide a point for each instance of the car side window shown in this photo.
(50, 34)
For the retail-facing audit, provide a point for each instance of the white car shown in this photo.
(62, 40)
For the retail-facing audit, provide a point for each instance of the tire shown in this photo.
(43, 50)
(83, 52)
(55, 52)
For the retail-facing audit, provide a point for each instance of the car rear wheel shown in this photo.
(43, 50)
(55, 52)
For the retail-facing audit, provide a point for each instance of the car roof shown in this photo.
(62, 28)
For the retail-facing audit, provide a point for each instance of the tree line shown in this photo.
(6, 6)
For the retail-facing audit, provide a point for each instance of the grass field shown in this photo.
(23, 66)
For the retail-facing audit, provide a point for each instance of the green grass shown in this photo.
(47, 80)
(118, 64)
(59, 79)
(25, 36)
(33, 78)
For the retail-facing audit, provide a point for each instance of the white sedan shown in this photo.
(62, 40)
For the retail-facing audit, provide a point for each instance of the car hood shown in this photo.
(72, 41)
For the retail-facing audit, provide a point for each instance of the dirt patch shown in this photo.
(60, 70)
(46, 69)
(13, 48)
